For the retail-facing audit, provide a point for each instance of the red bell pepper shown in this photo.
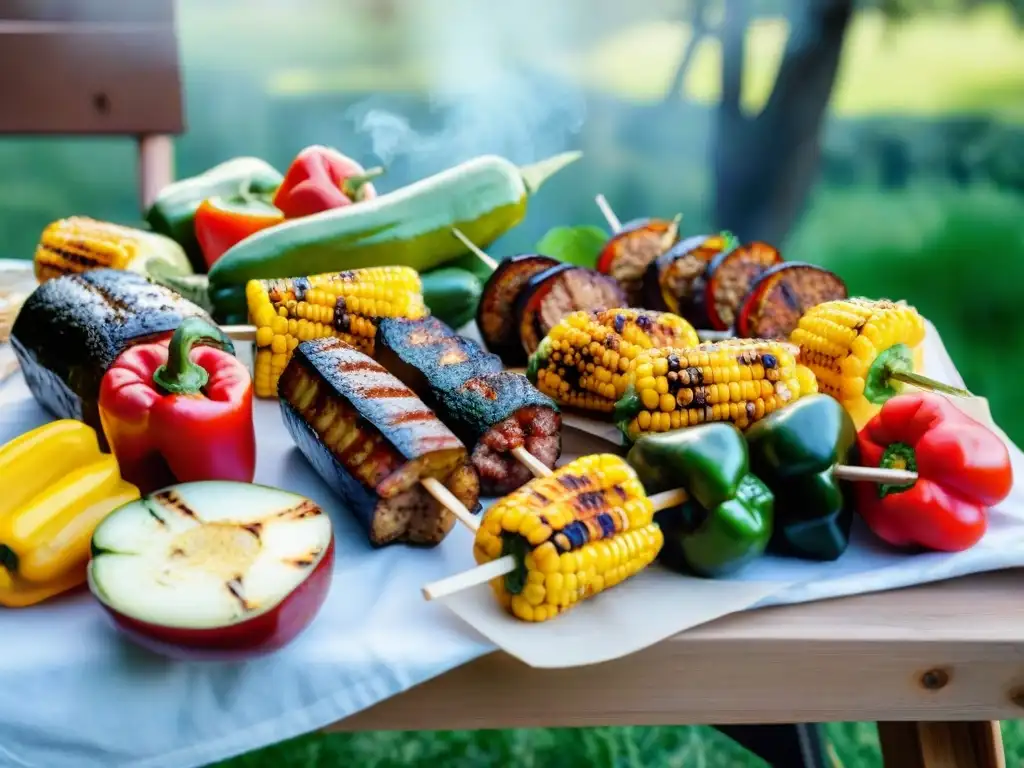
(321, 178)
(962, 467)
(173, 411)
(221, 222)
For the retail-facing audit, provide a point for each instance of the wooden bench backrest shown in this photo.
(94, 67)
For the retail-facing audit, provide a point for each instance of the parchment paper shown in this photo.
(657, 604)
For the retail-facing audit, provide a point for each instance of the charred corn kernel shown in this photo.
(586, 359)
(735, 381)
(854, 345)
(78, 244)
(342, 304)
(575, 533)
(58, 488)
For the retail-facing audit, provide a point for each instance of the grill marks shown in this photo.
(488, 408)
(171, 500)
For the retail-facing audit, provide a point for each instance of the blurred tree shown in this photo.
(765, 164)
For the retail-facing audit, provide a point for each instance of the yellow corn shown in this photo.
(575, 533)
(342, 304)
(735, 381)
(78, 244)
(848, 343)
(585, 360)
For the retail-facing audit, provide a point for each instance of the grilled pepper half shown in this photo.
(794, 451)
(57, 488)
(962, 466)
(175, 412)
(727, 520)
(173, 212)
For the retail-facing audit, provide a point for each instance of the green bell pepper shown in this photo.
(727, 520)
(794, 451)
(174, 210)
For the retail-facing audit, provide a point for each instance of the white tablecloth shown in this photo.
(74, 693)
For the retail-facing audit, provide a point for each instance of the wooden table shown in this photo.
(936, 665)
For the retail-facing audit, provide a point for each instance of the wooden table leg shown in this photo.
(942, 745)
(156, 166)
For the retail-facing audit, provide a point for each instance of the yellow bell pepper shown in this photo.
(57, 487)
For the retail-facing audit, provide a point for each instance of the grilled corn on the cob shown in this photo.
(78, 244)
(734, 381)
(345, 305)
(854, 346)
(575, 533)
(586, 360)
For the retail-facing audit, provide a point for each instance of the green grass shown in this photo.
(854, 744)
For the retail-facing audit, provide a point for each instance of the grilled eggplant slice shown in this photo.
(730, 276)
(495, 316)
(554, 293)
(675, 281)
(629, 252)
(372, 440)
(775, 303)
(72, 328)
(490, 410)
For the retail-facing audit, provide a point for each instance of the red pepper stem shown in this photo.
(180, 376)
(923, 382)
(353, 185)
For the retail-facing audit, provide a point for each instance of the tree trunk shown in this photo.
(766, 165)
(698, 30)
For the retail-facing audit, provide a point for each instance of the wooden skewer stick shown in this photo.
(475, 249)
(881, 475)
(609, 214)
(531, 462)
(435, 488)
(660, 501)
(240, 332)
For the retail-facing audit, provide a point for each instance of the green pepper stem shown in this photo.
(925, 383)
(353, 185)
(180, 376)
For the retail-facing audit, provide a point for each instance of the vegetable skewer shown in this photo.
(633, 272)
(491, 410)
(509, 563)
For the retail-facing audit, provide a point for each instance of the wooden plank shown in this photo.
(942, 745)
(949, 651)
(92, 11)
(105, 82)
